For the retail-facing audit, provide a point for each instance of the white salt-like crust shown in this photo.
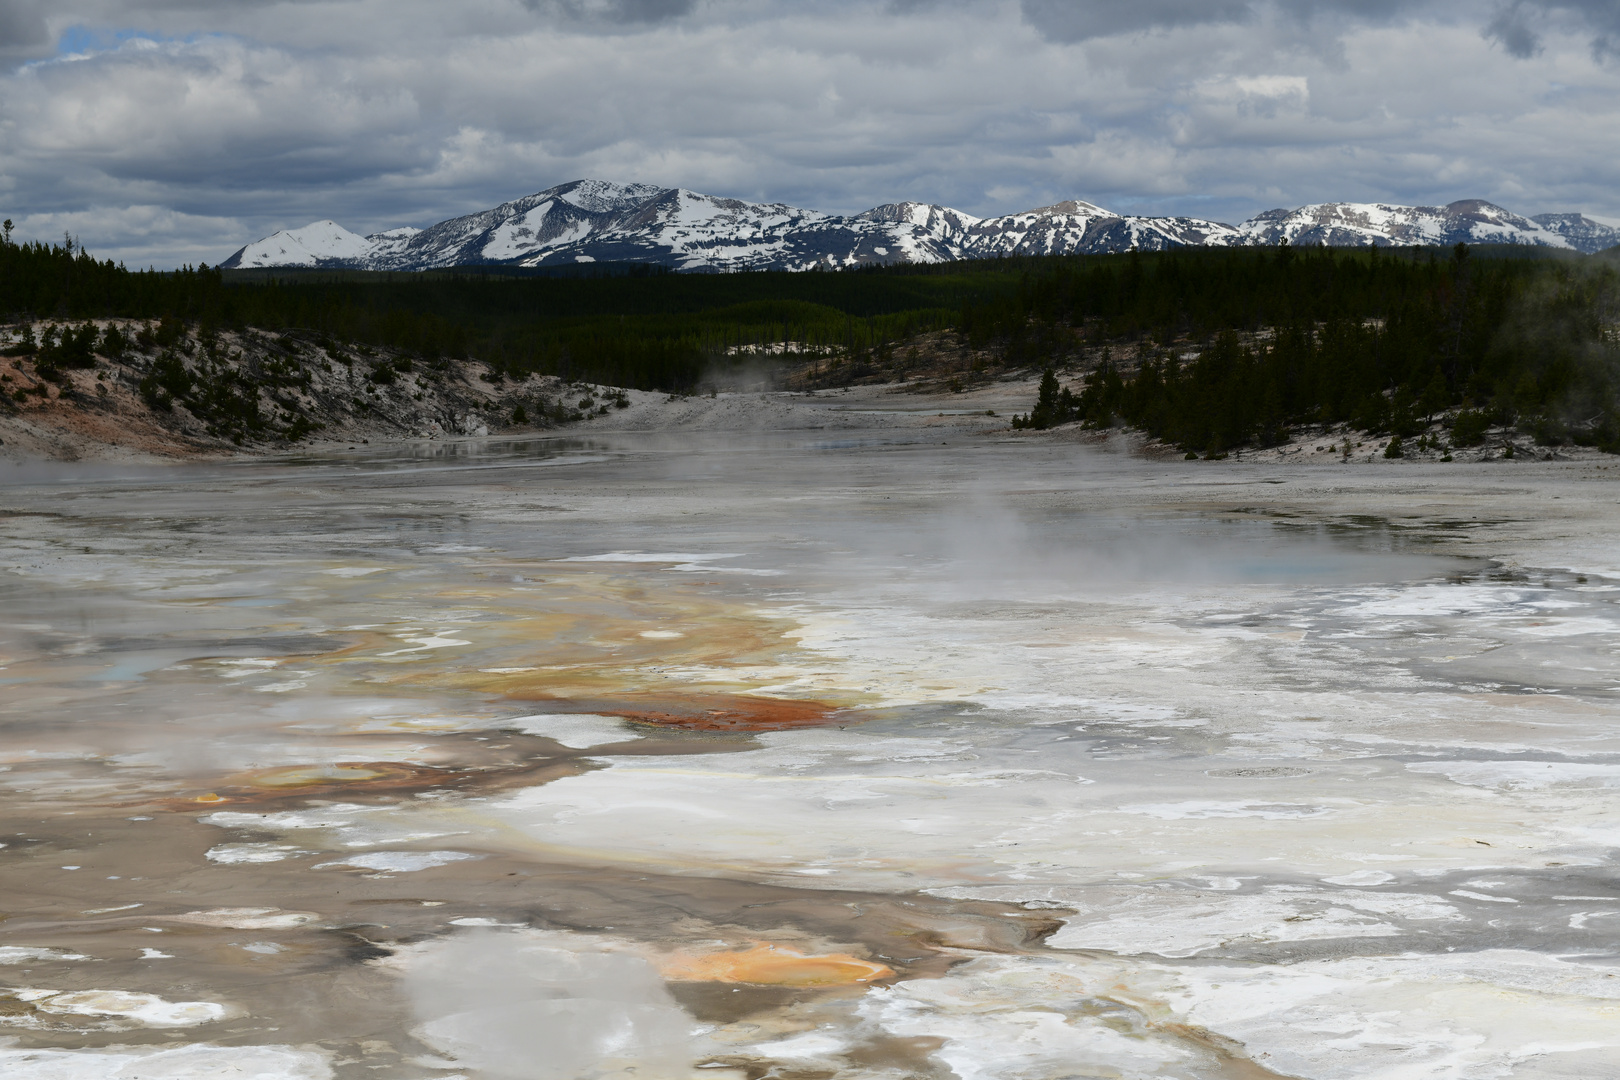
(399, 862)
(194, 1062)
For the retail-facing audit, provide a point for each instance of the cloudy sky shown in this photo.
(168, 131)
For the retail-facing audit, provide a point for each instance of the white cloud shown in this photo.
(129, 233)
(236, 119)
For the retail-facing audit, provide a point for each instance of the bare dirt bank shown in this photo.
(189, 394)
(253, 393)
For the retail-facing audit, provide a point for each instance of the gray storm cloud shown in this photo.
(23, 30)
(168, 132)
(615, 11)
(1069, 21)
(1518, 26)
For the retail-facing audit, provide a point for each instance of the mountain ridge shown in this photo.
(587, 221)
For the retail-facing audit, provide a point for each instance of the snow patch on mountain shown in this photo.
(316, 244)
(516, 235)
(1583, 232)
(604, 196)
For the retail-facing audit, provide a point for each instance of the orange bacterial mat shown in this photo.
(772, 965)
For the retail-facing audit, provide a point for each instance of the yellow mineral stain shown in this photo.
(605, 643)
(771, 965)
(311, 775)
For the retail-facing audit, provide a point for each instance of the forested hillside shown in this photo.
(1242, 349)
(638, 327)
(1207, 349)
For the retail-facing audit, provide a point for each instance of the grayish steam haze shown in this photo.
(329, 766)
(546, 1007)
(176, 131)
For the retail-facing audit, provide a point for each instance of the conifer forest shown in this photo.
(1206, 349)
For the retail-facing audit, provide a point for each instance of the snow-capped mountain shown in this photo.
(316, 243)
(596, 221)
(1084, 227)
(1467, 221)
(1582, 232)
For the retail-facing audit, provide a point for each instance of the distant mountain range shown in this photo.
(596, 221)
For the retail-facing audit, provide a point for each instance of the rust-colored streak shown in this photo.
(772, 965)
(258, 785)
(719, 712)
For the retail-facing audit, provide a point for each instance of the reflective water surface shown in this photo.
(778, 756)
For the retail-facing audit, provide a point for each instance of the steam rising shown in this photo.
(547, 1007)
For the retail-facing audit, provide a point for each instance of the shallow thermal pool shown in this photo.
(765, 756)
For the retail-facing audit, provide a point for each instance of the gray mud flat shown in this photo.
(887, 746)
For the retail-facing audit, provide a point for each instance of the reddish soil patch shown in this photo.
(724, 712)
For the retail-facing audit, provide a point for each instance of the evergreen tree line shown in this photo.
(63, 281)
(646, 330)
(1386, 345)
(1225, 347)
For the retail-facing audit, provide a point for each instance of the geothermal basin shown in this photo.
(910, 750)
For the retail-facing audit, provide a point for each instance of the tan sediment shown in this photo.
(712, 664)
(297, 783)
